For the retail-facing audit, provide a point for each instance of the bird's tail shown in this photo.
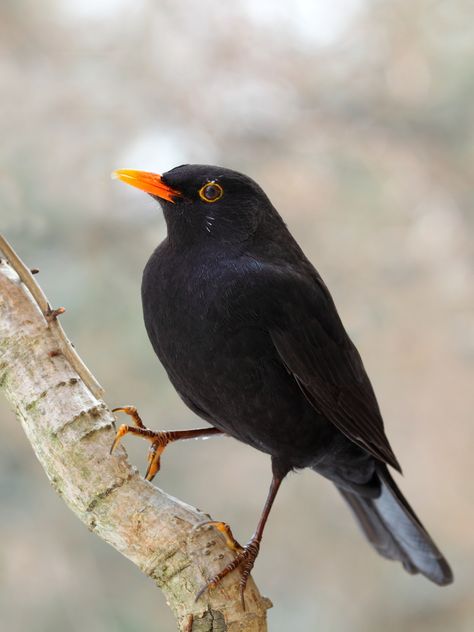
(393, 528)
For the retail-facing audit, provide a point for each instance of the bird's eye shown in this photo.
(211, 192)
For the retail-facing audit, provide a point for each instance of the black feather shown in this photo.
(395, 531)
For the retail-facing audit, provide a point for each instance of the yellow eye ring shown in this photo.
(211, 192)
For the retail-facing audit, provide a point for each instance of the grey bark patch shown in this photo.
(211, 621)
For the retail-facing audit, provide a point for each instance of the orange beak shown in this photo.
(149, 182)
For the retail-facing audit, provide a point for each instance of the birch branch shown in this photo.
(58, 402)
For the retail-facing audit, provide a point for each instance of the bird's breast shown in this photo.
(185, 315)
(224, 363)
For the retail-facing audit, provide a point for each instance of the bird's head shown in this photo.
(204, 202)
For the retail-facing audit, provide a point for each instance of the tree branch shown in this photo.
(71, 430)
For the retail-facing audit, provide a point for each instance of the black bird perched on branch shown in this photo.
(251, 339)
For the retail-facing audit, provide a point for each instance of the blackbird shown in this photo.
(252, 342)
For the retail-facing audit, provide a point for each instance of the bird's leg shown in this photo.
(159, 440)
(246, 555)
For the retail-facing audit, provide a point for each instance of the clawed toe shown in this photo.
(245, 560)
(121, 432)
(154, 457)
(159, 440)
(225, 529)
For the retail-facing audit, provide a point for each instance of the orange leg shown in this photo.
(159, 440)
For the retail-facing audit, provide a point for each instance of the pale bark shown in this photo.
(71, 430)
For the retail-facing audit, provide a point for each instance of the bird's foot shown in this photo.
(245, 560)
(159, 440)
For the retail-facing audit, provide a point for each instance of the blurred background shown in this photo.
(356, 117)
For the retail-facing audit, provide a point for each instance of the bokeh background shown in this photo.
(356, 116)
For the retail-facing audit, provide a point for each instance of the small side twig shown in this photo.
(26, 276)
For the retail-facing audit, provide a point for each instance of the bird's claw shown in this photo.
(245, 560)
(132, 412)
(121, 432)
(225, 529)
(159, 440)
(154, 456)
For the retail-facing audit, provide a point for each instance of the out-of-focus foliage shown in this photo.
(356, 118)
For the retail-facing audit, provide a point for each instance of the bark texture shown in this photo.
(71, 430)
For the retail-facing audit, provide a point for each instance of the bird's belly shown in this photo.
(238, 381)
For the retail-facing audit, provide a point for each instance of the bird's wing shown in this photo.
(305, 328)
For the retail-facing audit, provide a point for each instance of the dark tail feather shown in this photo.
(392, 527)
